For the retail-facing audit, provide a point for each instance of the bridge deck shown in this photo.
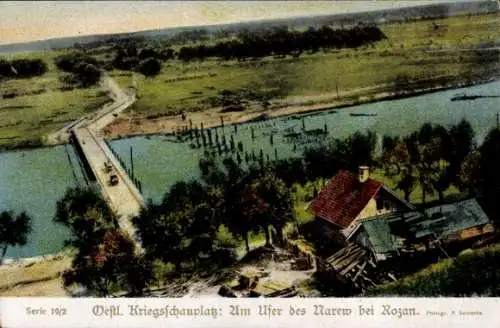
(123, 198)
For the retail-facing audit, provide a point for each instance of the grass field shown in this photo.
(473, 273)
(190, 86)
(40, 106)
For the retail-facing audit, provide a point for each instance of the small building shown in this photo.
(349, 198)
(390, 234)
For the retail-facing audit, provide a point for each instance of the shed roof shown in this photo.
(438, 221)
(450, 218)
(380, 236)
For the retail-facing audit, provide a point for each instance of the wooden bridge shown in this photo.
(124, 198)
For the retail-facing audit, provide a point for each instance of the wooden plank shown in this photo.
(360, 270)
(347, 255)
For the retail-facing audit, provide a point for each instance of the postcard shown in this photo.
(249, 163)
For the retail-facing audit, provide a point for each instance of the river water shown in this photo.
(34, 180)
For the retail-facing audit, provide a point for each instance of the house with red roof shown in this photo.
(350, 198)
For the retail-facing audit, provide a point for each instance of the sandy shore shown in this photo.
(129, 125)
(36, 276)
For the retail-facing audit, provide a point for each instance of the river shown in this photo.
(34, 180)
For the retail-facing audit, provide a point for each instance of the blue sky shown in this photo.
(22, 21)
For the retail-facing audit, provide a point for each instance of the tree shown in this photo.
(88, 74)
(86, 214)
(162, 233)
(83, 68)
(463, 143)
(407, 182)
(276, 194)
(14, 231)
(441, 179)
(488, 173)
(267, 202)
(109, 266)
(149, 67)
(105, 261)
(469, 171)
(361, 148)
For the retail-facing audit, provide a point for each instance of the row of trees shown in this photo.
(137, 54)
(195, 228)
(433, 157)
(22, 68)
(199, 223)
(283, 42)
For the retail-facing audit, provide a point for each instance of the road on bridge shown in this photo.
(124, 198)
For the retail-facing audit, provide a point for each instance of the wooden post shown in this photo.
(337, 86)
(131, 162)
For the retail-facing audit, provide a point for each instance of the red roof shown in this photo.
(343, 198)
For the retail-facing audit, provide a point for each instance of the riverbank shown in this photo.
(35, 277)
(128, 125)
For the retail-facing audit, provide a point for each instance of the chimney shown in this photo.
(363, 173)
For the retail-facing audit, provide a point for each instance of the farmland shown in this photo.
(40, 105)
(419, 52)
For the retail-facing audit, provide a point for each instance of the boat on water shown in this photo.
(463, 96)
(362, 114)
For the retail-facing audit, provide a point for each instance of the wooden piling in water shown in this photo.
(131, 161)
(209, 134)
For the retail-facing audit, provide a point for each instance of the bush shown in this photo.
(22, 68)
(149, 67)
(84, 70)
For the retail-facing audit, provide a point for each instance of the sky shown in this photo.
(22, 21)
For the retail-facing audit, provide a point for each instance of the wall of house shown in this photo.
(361, 238)
(330, 231)
(470, 233)
(372, 208)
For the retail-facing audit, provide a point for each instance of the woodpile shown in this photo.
(352, 264)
